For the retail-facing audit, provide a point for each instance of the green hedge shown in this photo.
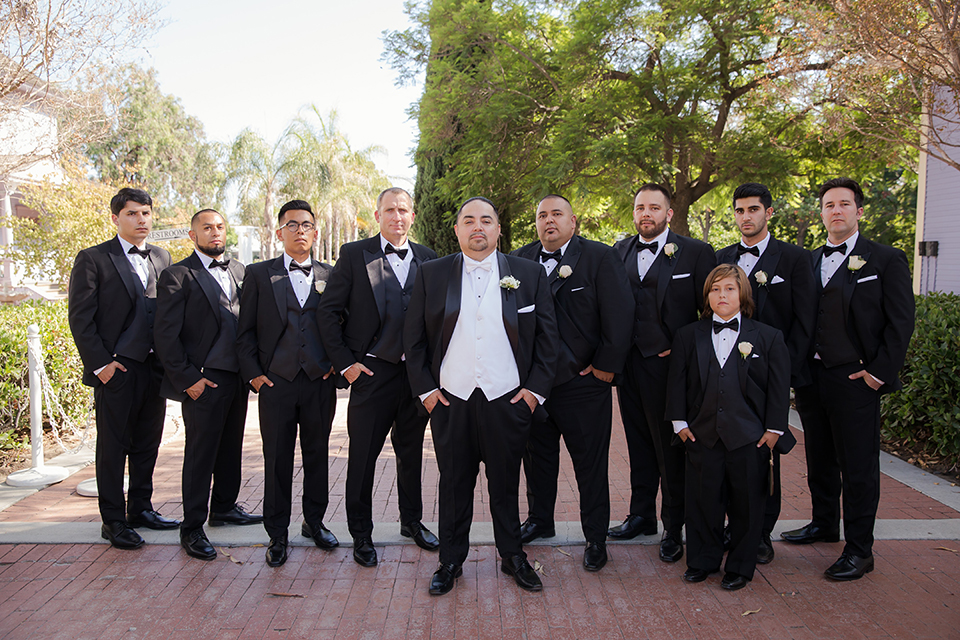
(928, 408)
(61, 360)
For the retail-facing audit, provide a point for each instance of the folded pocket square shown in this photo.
(577, 289)
(754, 356)
(868, 278)
(777, 280)
(681, 275)
(527, 309)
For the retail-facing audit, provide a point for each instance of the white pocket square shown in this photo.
(754, 356)
(577, 289)
(868, 278)
(777, 280)
(681, 275)
(527, 309)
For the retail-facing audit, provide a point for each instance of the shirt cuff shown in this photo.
(679, 425)
(539, 397)
(875, 378)
(779, 433)
(424, 396)
(96, 372)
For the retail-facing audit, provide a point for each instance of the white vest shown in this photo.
(479, 338)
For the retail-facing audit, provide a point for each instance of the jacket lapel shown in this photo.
(767, 263)
(570, 258)
(850, 282)
(374, 260)
(279, 281)
(211, 289)
(817, 259)
(704, 346)
(508, 303)
(124, 268)
(748, 333)
(451, 308)
(667, 265)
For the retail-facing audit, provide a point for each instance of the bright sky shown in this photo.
(255, 64)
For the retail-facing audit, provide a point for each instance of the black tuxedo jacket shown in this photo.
(352, 308)
(764, 374)
(878, 308)
(102, 301)
(263, 312)
(188, 321)
(789, 304)
(593, 320)
(435, 307)
(681, 280)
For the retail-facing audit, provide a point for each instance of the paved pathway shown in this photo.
(59, 580)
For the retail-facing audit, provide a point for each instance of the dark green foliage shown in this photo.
(433, 225)
(927, 410)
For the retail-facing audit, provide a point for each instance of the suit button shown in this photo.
(721, 393)
(723, 375)
(817, 345)
(821, 311)
(720, 409)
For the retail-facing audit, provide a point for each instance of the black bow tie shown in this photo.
(840, 248)
(294, 266)
(742, 250)
(652, 246)
(556, 255)
(720, 326)
(143, 252)
(222, 265)
(401, 253)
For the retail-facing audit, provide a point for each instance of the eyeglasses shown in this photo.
(292, 226)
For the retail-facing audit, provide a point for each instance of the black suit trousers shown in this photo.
(380, 404)
(580, 411)
(465, 434)
(654, 462)
(311, 405)
(129, 428)
(213, 425)
(841, 428)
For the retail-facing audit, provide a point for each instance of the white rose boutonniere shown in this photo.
(855, 263)
(670, 249)
(565, 271)
(509, 282)
(320, 286)
(761, 278)
(745, 349)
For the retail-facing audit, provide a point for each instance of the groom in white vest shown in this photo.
(481, 343)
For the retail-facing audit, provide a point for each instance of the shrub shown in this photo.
(61, 360)
(927, 410)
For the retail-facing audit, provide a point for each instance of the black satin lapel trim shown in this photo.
(451, 307)
(817, 266)
(125, 269)
(666, 268)
(704, 351)
(279, 281)
(570, 259)
(747, 334)
(767, 263)
(211, 288)
(375, 274)
(508, 304)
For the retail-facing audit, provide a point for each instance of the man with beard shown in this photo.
(198, 301)
(667, 273)
(481, 344)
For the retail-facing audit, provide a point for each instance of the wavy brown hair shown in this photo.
(743, 283)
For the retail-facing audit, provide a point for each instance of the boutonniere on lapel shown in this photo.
(509, 282)
(320, 286)
(855, 263)
(670, 249)
(761, 278)
(745, 349)
(565, 271)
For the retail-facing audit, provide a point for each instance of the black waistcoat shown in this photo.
(725, 414)
(389, 344)
(223, 352)
(136, 341)
(299, 347)
(648, 333)
(831, 340)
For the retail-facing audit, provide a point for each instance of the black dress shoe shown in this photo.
(811, 533)
(121, 535)
(364, 552)
(523, 574)
(696, 575)
(671, 549)
(151, 520)
(594, 556)
(277, 551)
(633, 526)
(196, 545)
(321, 536)
(444, 577)
(530, 531)
(237, 515)
(849, 567)
(765, 552)
(421, 535)
(733, 581)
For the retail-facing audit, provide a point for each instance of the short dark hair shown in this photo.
(753, 190)
(202, 211)
(396, 190)
(127, 194)
(842, 183)
(558, 197)
(653, 186)
(496, 214)
(729, 271)
(295, 205)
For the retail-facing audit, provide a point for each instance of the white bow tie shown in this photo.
(473, 266)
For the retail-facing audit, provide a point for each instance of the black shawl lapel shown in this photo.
(748, 333)
(211, 289)
(768, 264)
(124, 268)
(570, 258)
(704, 344)
(508, 303)
(375, 261)
(451, 308)
(666, 268)
(279, 281)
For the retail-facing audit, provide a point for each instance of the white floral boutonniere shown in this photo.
(509, 282)
(855, 263)
(670, 249)
(565, 271)
(761, 278)
(320, 286)
(745, 349)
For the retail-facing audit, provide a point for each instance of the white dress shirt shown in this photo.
(830, 264)
(401, 268)
(645, 258)
(550, 264)
(137, 261)
(301, 282)
(748, 261)
(220, 275)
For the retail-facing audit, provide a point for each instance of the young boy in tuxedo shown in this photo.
(728, 398)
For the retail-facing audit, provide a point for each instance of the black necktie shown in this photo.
(720, 326)
(143, 252)
(556, 255)
(652, 246)
(294, 266)
(742, 250)
(840, 248)
(401, 253)
(221, 265)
